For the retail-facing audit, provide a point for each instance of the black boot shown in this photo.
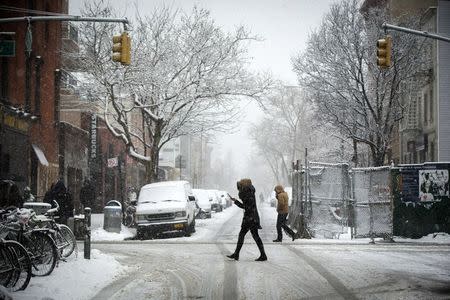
(262, 257)
(277, 241)
(233, 256)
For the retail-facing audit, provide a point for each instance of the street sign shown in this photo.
(7, 48)
(113, 162)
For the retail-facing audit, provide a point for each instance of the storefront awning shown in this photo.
(40, 155)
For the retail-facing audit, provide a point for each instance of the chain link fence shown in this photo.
(371, 195)
(332, 199)
(327, 195)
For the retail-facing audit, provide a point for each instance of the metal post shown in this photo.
(70, 18)
(87, 233)
(386, 26)
(120, 165)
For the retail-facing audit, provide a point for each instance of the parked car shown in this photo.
(204, 203)
(225, 200)
(165, 207)
(215, 201)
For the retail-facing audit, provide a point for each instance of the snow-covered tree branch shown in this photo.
(339, 72)
(186, 77)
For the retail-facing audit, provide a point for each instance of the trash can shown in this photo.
(112, 216)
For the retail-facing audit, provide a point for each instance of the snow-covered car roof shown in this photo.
(165, 183)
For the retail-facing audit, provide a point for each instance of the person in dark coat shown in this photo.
(250, 220)
(10, 195)
(87, 194)
(60, 194)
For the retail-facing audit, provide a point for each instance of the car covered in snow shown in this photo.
(204, 203)
(165, 207)
(215, 200)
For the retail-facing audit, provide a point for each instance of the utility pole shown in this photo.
(387, 26)
(29, 19)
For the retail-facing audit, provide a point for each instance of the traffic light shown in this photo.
(384, 51)
(122, 49)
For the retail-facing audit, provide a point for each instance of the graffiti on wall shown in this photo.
(433, 185)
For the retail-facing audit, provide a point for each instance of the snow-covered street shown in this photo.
(196, 267)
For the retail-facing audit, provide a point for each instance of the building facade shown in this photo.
(29, 95)
(423, 135)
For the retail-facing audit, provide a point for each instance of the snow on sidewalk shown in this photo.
(77, 278)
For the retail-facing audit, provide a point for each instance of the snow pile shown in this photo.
(78, 278)
(99, 234)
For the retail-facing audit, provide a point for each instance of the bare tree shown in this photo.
(338, 70)
(185, 78)
(290, 126)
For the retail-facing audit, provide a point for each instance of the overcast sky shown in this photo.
(283, 25)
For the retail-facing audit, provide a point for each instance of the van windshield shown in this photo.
(161, 194)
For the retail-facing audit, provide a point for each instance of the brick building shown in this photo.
(29, 94)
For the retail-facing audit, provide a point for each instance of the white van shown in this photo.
(167, 206)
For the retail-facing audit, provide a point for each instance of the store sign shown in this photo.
(113, 162)
(93, 136)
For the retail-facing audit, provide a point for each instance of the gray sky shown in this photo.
(283, 25)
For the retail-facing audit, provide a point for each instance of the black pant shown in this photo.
(281, 223)
(255, 235)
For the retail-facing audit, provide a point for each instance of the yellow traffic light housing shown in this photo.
(122, 49)
(384, 51)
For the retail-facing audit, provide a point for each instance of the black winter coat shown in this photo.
(251, 216)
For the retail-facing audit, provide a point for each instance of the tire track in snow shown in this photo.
(230, 280)
(334, 281)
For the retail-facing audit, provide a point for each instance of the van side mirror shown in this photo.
(191, 198)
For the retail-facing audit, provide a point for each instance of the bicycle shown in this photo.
(38, 242)
(15, 265)
(64, 238)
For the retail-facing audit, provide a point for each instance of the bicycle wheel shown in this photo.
(6, 267)
(22, 265)
(65, 240)
(43, 252)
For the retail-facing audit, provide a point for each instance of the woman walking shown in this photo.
(250, 220)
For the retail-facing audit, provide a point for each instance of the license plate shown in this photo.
(178, 226)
